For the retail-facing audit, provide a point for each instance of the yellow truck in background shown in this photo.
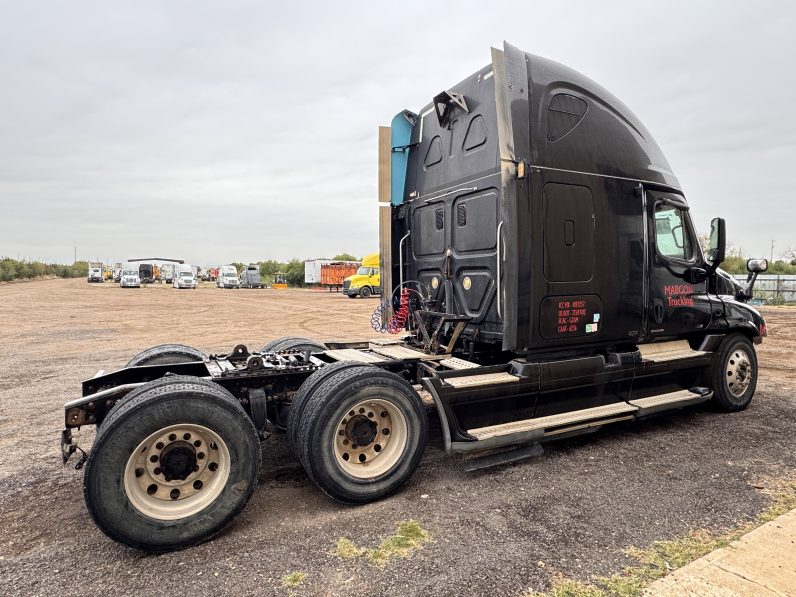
(366, 281)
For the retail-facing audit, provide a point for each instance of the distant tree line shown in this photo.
(13, 269)
(735, 264)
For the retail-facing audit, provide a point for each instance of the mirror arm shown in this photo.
(748, 291)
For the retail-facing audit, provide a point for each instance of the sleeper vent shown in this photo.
(563, 114)
(461, 215)
(439, 219)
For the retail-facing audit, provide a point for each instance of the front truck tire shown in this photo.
(362, 434)
(733, 375)
(172, 465)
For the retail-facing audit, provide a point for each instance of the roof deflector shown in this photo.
(445, 102)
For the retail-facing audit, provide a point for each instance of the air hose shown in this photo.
(401, 316)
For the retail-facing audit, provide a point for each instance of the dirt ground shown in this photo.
(497, 532)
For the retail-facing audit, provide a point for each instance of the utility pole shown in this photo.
(771, 257)
(75, 260)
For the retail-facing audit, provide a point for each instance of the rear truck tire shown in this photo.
(166, 354)
(302, 396)
(172, 465)
(362, 434)
(365, 292)
(293, 343)
(734, 374)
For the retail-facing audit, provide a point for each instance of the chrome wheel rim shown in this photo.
(738, 372)
(177, 471)
(370, 439)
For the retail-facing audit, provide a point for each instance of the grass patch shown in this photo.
(346, 549)
(662, 557)
(409, 537)
(291, 581)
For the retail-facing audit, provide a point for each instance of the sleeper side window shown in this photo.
(672, 237)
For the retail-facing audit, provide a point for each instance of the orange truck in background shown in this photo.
(333, 274)
(328, 273)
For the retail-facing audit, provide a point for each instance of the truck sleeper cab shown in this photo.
(250, 277)
(541, 278)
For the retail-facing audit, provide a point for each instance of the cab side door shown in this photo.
(678, 299)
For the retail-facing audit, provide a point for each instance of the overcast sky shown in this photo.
(241, 131)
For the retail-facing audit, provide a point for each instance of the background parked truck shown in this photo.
(250, 277)
(95, 271)
(228, 277)
(329, 273)
(128, 276)
(146, 272)
(167, 273)
(185, 277)
(366, 280)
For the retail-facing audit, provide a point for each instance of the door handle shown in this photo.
(657, 310)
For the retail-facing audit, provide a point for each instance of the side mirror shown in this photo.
(757, 266)
(718, 243)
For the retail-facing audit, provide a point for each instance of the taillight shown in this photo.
(763, 330)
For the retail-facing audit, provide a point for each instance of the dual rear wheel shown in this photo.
(359, 431)
(178, 458)
(172, 464)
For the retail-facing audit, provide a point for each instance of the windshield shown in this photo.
(129, 272)
(229, 275)
(186, 274)
(363, 271)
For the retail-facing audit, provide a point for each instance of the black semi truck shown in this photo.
(541, 277)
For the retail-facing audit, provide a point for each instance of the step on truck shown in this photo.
(541, 278)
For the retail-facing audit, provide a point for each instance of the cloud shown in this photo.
(242, 131)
